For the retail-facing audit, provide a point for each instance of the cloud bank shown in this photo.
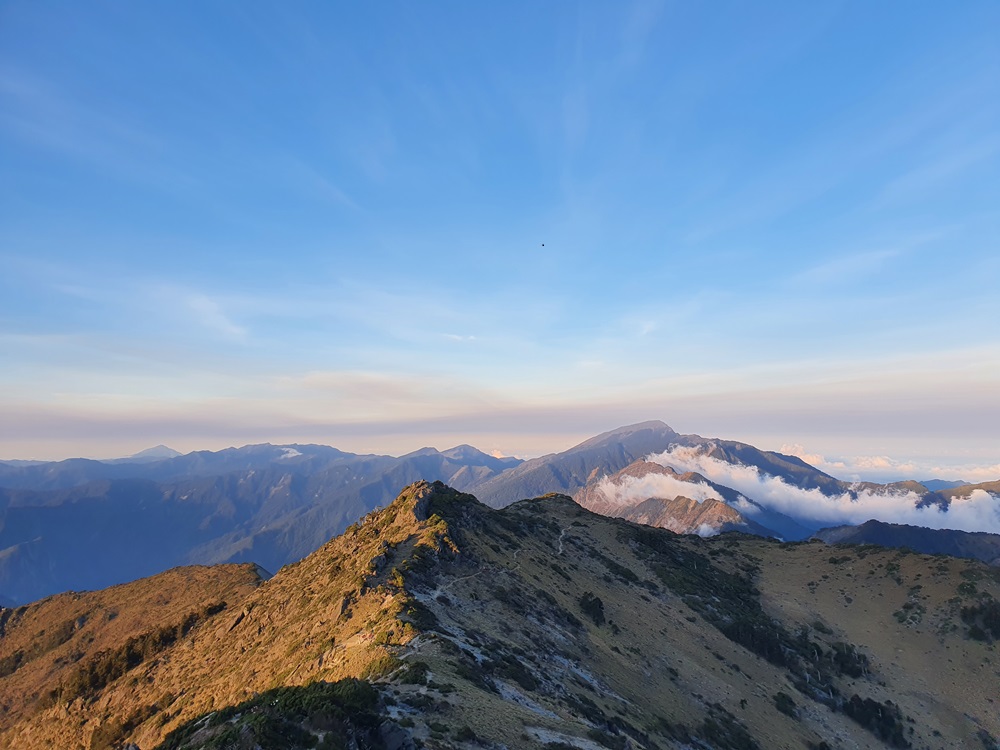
(885, 468)
(630, 490)
(980, 511)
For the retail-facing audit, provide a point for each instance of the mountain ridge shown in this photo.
(538, 624)
(974, 545)
(267, 506)
(274, 504)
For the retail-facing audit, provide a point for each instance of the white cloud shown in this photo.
(705, 531)
(630, 490)
(933, 174)
(980, 511)
(969, 472)
(798, 451)
(881, 468)
(211, 315)
(846, 267)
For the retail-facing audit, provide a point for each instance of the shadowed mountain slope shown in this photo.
(791, 469)
(570, 470)
(53, 475)
(271, 505)
(941, 484)
(295, 459)
(440, 622)
(963, 490)
(973, 545)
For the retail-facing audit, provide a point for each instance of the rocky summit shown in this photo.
(438, 622)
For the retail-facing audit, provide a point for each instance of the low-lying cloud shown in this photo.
(888, 469)
(630, 490)
(979, 511)
(706, 530)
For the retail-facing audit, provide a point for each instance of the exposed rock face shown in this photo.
(682, 515)
(648, 493)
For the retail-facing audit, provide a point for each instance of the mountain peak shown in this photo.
(157, 452)
(435, 498)
(464, 451)
(425, 451)
(651, 426)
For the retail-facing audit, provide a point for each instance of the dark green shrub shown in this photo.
(884, 720)
(593, 607)
(983, 620)
(10, 664)
(613, 741)
(465, 734)
(107, 666)
(415, 673)
(724, 732)
(624, 574)
(558, 569)
(784, 703)
(848, 660)
(511, 668)
(421, 616)
(278, 719)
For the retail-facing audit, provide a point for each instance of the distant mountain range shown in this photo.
(942, 484)
(85, 524)
(975, 545)
(156, 453)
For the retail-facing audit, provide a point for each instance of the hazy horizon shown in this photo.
(879, 468)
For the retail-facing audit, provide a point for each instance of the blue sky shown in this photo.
(388, 225)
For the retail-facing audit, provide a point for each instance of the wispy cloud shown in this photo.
(210, 314)
(352, 395)
(938, 172)
(312, 181)
(37, 112)
(641, 19)
(847, 268)
(852, 265)
(108, 140)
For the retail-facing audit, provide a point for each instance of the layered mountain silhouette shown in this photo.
(975, 545)
(439, 622)
(82, 524)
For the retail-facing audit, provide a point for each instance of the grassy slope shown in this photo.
(545, 623)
